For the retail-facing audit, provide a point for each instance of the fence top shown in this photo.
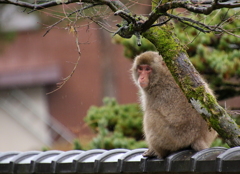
(211, 160)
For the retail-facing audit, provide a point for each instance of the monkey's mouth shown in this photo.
(143, 84)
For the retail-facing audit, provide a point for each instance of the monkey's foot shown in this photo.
(149, 153)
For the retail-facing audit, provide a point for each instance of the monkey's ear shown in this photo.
(163, 63)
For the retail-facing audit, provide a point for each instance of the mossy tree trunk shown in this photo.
(192, 84)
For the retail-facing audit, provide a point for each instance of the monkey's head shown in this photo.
(147, 69)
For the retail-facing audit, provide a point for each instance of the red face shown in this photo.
(143, 75)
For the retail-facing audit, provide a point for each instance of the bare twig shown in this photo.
(34, 6)
(234, 112)
(196, 7)
(187, 21)
(215, 28)
(126, 16)
(113, 5)
(230, 33)
(99, 24)
(64, 81)
(161, 23)
(70, 14)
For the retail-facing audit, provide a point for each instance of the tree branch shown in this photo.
(65, 80)
(113, 5)
(208, 28)
(196, 8)
(34, 6)
(187, 21)
(201, 7)
(161, 23)
(70, 14)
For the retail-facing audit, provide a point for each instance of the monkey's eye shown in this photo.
(148, 68)
(140, 68)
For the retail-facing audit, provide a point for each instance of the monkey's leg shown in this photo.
(149, 153)
(199, 144)
(161, 153)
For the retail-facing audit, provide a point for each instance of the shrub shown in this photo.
(117, 126)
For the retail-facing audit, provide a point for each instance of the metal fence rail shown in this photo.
(212, 160)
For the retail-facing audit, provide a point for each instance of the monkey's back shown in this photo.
(170, 122)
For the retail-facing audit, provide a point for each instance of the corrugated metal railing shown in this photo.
(212, 160)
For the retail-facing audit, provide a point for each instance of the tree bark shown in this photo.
(192, 84)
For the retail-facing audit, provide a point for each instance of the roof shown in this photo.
(216, 159)
(29, 75)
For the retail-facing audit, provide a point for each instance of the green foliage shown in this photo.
(217, 51)
(77, 145)
(117, 126)
(44, 149)
(219, 143)
(215, 55)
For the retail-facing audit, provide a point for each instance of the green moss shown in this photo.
(211, 99)
(211, 103)
(163, 40)
(214, 123)
(166, 43)
(196, 93)
(217, 126)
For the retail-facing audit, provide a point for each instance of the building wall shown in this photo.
(23, 119)
(88, 86)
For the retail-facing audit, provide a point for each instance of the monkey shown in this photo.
(170, 123)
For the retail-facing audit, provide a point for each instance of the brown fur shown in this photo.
(170, 122)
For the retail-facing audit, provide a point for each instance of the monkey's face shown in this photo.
(147, 70)
(144, 72)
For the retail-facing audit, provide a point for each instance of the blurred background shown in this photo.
(30, 67)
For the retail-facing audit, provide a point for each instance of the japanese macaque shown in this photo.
(170, 122)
